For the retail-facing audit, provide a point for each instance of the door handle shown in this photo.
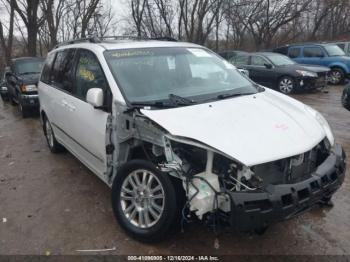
(71, 107)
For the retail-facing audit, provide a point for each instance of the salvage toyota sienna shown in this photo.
(177, 133)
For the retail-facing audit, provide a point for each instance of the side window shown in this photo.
(313, 52)
(240, 60)
(258, 61)
(88, 74)
(61, 76)
(294, 52)
(45, 75)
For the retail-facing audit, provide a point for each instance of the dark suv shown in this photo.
(21, 82)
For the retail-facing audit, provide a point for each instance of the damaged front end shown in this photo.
(226, 193)
(221, 190)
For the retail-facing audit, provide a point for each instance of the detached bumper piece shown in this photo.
(253, 211)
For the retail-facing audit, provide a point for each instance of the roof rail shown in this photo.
(96, 39)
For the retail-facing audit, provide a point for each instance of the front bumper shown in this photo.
(250, 211)
(30, 100)
(310, 83)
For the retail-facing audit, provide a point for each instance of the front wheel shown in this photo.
(144, 201)
(286, 85)
(336, 76)
(24, 110)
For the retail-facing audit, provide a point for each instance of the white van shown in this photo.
(176, 131)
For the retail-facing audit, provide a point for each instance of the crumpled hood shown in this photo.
(252, 129)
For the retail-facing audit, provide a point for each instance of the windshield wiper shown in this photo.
(30, 73)
(225, 96)
(179, 100)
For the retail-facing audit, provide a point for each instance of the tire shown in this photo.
(23, 110)
(346, 98)
(4, 98)
(132, 203)
(286, 85)
(54, 146)
(336, 76)
(13, 102)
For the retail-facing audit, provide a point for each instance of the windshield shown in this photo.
(28, 67)
(279, 60)
(154, 74)
(334, 50)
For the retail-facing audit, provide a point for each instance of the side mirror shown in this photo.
(268, 66)
(95, 97)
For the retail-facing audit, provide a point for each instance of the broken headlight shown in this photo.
(235, 176)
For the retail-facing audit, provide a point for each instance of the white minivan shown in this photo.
(178, 132)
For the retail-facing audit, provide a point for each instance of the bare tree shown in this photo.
(6, 44)
(28, 11)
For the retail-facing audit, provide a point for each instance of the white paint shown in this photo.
(252, 129)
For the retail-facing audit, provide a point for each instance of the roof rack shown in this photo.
(96, 39)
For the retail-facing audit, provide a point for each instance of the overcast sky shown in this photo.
(119, 7)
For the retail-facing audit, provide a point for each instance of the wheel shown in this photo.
(23, 110)
(346, 99)
(13, 102)
(54, 146)
(4, 98)
(144, 201)
(286, 85)
(336, 76)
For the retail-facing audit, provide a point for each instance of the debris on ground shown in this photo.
(4, 220)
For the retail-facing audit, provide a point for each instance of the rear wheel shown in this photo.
(54, 146)
(286, 85)
(144, 201)
(336, 76)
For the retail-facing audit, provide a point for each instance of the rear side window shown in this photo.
(45, 75)
(313, 52)
(88, 74)
(294, 52)
(62, 70)
(342, 46)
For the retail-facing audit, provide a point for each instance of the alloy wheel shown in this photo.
(142, 198)
(286, 86)
(335, 77)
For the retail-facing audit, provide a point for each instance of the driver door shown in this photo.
(258, 71)
(87, 124)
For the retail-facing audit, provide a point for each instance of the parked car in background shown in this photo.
(22, 80)
(345, 46)
(230, 54)
(346, 97)
(177, 132)
(3, 85)
(280, 72)
(329, 55)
